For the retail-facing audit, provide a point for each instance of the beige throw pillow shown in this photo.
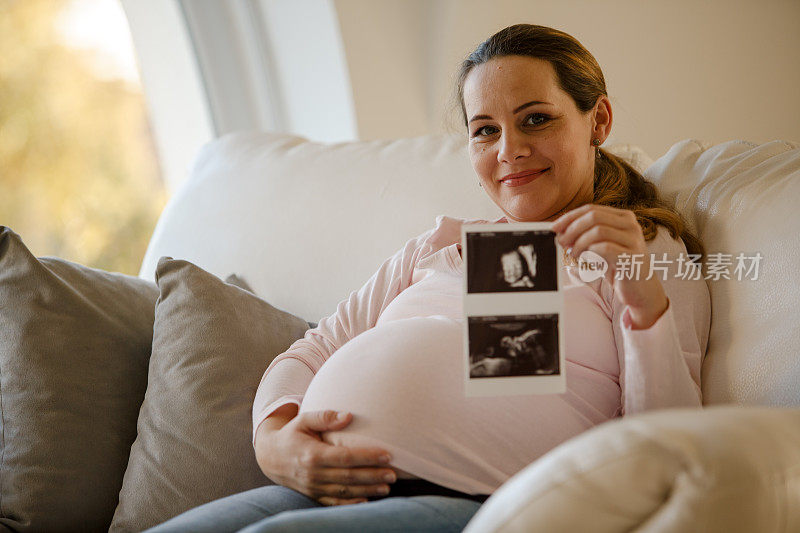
(212, 342)
(74, 347)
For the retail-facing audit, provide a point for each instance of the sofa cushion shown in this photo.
(290, 205)
(212, 342)
(74, 349)
(719, 469)
(740, 197)
(234, 279)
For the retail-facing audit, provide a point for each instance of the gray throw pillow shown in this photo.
(212, 342)
(234, 279)
(74, 348)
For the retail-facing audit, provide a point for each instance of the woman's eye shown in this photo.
(482, 131)
(544, 118)
(534, 119)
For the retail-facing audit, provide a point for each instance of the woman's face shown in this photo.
(521, 121)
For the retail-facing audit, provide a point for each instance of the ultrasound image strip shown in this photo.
(513, 303)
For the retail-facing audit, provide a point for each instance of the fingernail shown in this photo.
(389, 478)
(384, 459)
(383, 490)
(341, 416)
(569, 251)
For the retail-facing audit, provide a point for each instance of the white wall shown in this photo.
(310, 68)
(386, 49)
(712, 69)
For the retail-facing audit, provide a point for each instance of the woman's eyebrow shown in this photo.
(517, 110)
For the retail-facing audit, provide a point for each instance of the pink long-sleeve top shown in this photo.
(392, 354)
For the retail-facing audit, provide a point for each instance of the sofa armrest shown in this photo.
(721, 468)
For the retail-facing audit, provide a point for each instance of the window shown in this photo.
(79, 174)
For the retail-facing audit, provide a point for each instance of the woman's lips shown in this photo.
(516, 182)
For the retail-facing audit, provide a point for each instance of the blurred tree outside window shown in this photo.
(79, 174)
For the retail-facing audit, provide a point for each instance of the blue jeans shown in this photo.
(277, 508)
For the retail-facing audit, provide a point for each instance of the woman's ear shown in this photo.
(602, 117)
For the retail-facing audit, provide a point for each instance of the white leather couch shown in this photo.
(305, 223)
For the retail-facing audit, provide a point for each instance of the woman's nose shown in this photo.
(513, 146)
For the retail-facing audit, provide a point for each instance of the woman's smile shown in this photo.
(521, 178)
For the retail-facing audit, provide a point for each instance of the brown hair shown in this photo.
(616, 183)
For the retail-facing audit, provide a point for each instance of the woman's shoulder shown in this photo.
(664, 242)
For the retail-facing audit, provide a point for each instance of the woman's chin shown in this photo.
(530, 216)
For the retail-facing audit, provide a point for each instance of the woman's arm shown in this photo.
(660, 323)
(660, 365)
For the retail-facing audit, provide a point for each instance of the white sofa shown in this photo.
(274, 208)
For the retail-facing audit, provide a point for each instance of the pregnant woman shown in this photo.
(363, 424)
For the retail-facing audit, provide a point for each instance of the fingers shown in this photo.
(343, 456)
(327, 455)
(323, 420)
(562, 222)
(355, 476)
(337, 475)
(604, 230)
(600, 234)
(601, 215)
(351, 483)
(349, 492)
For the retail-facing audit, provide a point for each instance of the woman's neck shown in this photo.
(584, 196)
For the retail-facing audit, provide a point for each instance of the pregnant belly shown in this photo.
(379, 375)
(404, 383)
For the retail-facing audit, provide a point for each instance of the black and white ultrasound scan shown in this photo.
(513, 304)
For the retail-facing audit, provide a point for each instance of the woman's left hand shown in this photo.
(609, 232)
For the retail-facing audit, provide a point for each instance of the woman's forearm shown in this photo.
(275, 421)
(281, 416)
(281, 384)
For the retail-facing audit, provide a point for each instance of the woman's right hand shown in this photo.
(295, 456)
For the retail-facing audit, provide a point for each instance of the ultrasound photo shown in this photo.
(511, 261)
(513, 345)
(513, 304)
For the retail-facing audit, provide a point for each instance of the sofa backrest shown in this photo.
(306, 223)
(741, 198)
